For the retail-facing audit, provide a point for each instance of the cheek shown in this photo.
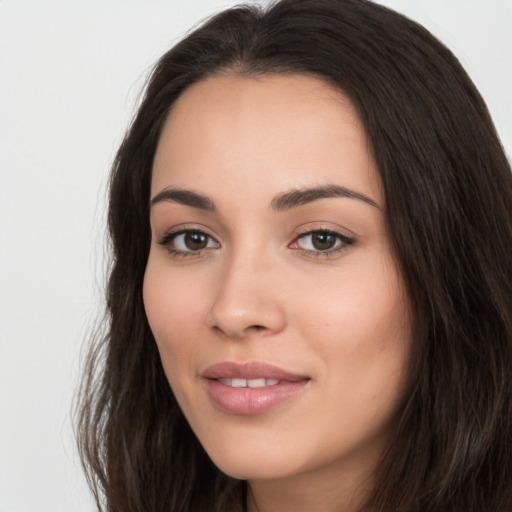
(174, 309)
(360, 328)
(366, 305)
(360, 331)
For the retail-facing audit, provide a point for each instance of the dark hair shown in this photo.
(448, 189)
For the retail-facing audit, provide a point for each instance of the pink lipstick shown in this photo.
(251, 388)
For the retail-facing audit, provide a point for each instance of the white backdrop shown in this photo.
(70, 72)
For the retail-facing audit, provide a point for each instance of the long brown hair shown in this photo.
(448, 189)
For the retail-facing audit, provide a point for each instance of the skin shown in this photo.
(261, 291)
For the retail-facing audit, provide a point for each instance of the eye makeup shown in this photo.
(320, 242)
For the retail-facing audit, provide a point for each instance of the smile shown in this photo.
(252, 388)
(248, 383)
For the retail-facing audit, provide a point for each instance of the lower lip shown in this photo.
(249, 401)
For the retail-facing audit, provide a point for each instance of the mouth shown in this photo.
(251, 388)
(248, 383)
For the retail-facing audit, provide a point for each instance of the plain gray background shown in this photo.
(70, 74)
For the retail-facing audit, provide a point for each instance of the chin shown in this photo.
(251, 471)
(254, 464)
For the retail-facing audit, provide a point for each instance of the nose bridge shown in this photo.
(246, 299)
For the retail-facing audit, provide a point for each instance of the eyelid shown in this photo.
(346, 241)
(341, 236)
(322, 225)
(184, 228)
(176, 231)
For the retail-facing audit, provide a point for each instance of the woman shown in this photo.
(309, 302)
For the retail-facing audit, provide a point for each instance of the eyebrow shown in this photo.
(282, 202)
(185, 197)
(302, 196)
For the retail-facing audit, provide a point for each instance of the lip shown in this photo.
(253, 370)
(250, 401)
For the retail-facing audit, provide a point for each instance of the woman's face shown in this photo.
(276, 304)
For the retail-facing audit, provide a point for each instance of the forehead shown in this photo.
(271, 131)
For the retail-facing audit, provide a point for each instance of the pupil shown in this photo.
(323, 241)
(195, 241)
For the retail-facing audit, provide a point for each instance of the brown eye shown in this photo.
(195, 241)
(188, 242)
(323, 241)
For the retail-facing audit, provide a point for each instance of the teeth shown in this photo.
(256, 383)
(249, 383)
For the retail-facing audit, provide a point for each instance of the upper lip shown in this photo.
(252, 370)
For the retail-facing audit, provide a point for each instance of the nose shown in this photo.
(246, 302)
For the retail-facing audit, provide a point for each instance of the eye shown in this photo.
(321, 241)
(187, 242)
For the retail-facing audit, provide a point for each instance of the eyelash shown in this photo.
(342, 241)
(169, 238)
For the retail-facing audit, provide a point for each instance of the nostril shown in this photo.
(250, 317)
